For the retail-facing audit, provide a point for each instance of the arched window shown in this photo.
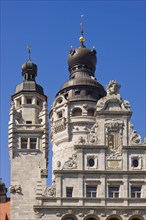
(69, 218)
(91, 219)
(113, 219)
(77, 112)
(91, 112)
(136, 218)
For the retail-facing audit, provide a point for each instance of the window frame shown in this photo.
(91, 193)
(136, 192)
(28, 143)
(113, 192)
(69, 194)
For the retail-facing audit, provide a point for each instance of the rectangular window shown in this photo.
(24, 142)
(69, 191)
(135, 191)
(113, 191)
(33, 142)
(91, 191)
(19, 102)
(29, 101)
(39, 102)
(28, 122)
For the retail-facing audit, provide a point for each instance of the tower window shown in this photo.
(135, 191)
(113, 191)
(33, 142)
(24, 142)
(29, 101)
(77, 93)
(39, 102)
(91, 191)
(69, 191)
(77, 112)
(91, 162)
(91, 112)
(18, 103)
(89, 93)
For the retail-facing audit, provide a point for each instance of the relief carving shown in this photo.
(15, 189)
(60, 125)
(71, 163)
(92, 136)
(51, 190)
(39, 214)
(44, 173)
(114, 135)
(81, 140)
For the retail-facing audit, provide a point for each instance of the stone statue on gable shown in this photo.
(113, 87)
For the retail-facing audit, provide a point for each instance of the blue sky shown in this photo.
(115, 28)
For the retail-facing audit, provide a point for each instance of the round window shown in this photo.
(135, 162)
(91, 162)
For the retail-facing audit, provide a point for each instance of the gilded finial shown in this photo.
(82, 39)
(29, 51)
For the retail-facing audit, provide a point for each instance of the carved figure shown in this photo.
(51, 190)
(126, 105)
(71, 163)
(81, 140)
(113, 87)
(58, 164)
(15, 189)
(135, 138)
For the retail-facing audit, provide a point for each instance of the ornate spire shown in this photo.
(29, 69)
(82, 39)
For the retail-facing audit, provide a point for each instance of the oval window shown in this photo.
(91, 162)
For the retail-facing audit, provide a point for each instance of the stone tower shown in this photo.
(28, 143)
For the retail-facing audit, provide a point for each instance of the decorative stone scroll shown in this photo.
(15, 189)
(71, 163)
(51, 190)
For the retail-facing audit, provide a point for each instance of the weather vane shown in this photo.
(82, 39)
(29, 51)
(81, 24)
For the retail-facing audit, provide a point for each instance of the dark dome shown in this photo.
(84, 57)
(29, 67)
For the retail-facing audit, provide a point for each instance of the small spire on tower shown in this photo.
(29, 51)
(82, 39)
